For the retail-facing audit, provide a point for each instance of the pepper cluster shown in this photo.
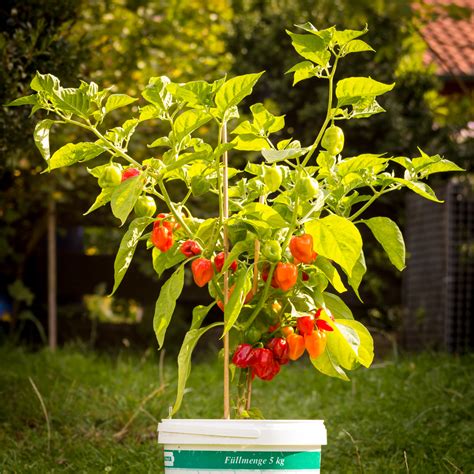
(264, 362)
(303, 333)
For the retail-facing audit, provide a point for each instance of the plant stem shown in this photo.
(256, 256)
(177, 215)
(372, 200)
(224, 213)
(328, 114)
(249, 390)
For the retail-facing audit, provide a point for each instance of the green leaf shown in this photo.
(189, 121)
(249, 142)
(41, 137)
(356, 46)
(358, 273)
(162, 141)
(359, 340)
(336, 238)
(184, 361)
(390, 238)
(44, 83)
(199, 313)
(312, 47)
(194, 93)
(73, 153)
(338, 308)
(326, 363)
(157, 93)
(166, 303)
(243, 284)
(264, 213)
(303, 70)
(344, 36)
(72, 101)
(162, 261)
(116, 101)
(127, 248)
(365, 162)
(272, 156)
(353, 89)
(419, 188)
(102, 199)
(331, 273)
(426, 165)
(264, 121)
(125, 196)
(235, 90)
(26, 100)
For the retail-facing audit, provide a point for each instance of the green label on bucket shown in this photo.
(240, 460)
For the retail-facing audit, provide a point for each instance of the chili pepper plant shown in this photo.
(285, 237)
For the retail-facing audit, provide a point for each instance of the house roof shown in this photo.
(450, 41)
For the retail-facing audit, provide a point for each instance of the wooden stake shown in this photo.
(225, 180)
(52, 278)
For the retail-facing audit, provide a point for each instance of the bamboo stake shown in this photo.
(52, 279)
(225, 179)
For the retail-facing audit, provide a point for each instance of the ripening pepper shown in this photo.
(111, 176)
(333, 140)
(202, 270)
(244, 356)
(162, 238)
(301, 247)
(271, 250)
(305, 324)
(219, 262)
(286, 275)
(190, 248)
(129, 173)
(279, 347)
(145, 206)
(295, 346)
(315, 343)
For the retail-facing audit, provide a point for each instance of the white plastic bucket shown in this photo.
(237, 446)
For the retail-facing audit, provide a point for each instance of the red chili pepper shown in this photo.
(301, 247)
(279, 347)
(219, 262)
(162, 238)
(129, 173)
(190, 248)
(202, 270)
(304, 276)
(315, 343)
(265, 366)
(295, 346)
(244, 356)
(286, 275)
(305, 324)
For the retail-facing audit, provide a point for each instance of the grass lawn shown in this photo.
(415, 415)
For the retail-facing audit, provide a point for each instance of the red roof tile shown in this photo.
(451, 42)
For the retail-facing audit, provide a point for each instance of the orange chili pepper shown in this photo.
(315, 343)
(295, 346)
